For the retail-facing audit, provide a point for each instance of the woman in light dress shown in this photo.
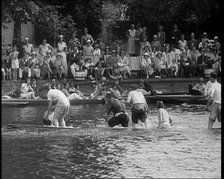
(43, 49)
(131, 34)
(62, 49)
(14, 62)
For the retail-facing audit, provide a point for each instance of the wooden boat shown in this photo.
(39, 102)
(15, 104)
(20, 126)
(178, 98)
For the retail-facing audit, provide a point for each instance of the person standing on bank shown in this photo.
(215, 97)
(61, 103)
(131, 34)
(117, 107)
(86, 37)
(62, 49)
(139, 107)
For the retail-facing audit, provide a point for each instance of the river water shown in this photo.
(92, 150)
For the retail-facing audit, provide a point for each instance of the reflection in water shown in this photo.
(92, 150)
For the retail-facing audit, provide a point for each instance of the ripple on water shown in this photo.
(93, 150)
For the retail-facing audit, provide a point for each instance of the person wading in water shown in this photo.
(117, 107)
(139, 106)
(61, 103)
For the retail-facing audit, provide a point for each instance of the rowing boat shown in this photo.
(41, 102)
(32, 126)
(15, 104)
(169, 98)
(20, 126)
(185, 98)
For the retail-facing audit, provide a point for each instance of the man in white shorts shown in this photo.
(215, 97)
(62, 105)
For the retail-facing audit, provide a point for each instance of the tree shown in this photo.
(85, 13)
(19, 12)
(186, 12)
(112, 12)
(50, 23)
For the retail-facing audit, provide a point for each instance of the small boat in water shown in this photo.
(13, 102)
(168, 98)
(22, 126)
(178, 98)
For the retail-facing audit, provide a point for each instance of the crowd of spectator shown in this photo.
(93, 59)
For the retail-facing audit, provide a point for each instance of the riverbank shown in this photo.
(166, 85)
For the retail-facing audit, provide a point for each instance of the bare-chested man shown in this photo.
(139, 106)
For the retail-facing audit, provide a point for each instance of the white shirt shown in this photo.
(135, 97)
(216, 92)
(59, 96)
(208, 88)
(25, 88)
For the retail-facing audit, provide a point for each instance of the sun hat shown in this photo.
(146, 54)
(34, 53)
(204, 34)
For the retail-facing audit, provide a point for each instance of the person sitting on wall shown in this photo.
(46, 68)
(146, 86)
(27, 91)
(34, 65)
(201, 65)
(198, 89)
(58, 64)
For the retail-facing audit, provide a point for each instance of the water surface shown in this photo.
(92, 150)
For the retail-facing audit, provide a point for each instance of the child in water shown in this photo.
(163, 116)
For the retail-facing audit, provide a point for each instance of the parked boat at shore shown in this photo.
(39, 102)
(168, 98)
(178, 98)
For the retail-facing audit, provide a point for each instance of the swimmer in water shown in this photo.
(163, 115)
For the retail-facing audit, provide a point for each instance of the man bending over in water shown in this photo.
(61, 108)
(139, 108)
(117, 107)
